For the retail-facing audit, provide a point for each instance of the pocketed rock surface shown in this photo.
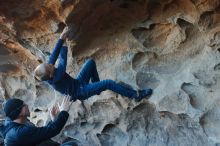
(172, 46)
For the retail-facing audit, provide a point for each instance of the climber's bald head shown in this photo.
(44, 71)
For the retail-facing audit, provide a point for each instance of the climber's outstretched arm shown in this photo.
(61, 69)
(56, 52)
(58, 46)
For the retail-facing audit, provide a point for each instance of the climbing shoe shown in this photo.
(143, 94)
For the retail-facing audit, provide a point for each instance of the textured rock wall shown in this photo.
(171, 46)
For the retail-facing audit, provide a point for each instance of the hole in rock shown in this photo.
(141, 59)
(183, 23)
(189, 89)
(37, 110)
(61, 26)
(206, 16)
(144, 108)
(107, 128)
(217, 67)
(83, 123)
(40, 61)
(202, 120)
(136, 32)
(146, 80)
(206, 19)
(183, 116)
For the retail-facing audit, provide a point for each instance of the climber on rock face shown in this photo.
(17, 130)
(80, 87)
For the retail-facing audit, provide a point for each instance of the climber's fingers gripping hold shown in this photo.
(64, 34)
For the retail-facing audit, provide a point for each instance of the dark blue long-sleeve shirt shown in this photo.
(27, 135)
(62, 81)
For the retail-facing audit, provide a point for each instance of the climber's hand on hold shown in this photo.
(66, 103)
(64, 34)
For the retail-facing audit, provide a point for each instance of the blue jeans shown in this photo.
(86, 89)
